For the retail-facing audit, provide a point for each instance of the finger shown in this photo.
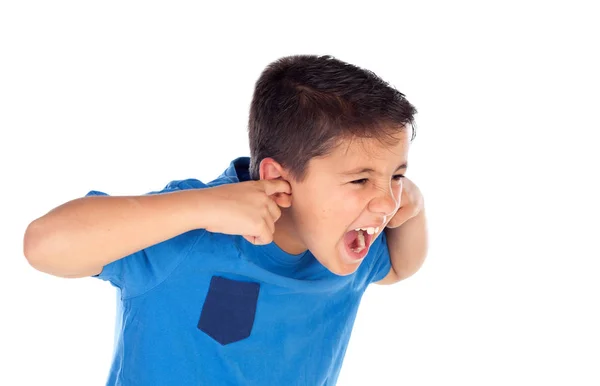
(401, 216)
(282, 199)
(400, 192)
(266, 234)
(259, 240)
(254, 240)
(274, 210)
(250, 239)
(268, 225)
(263, 230)
(276, 186)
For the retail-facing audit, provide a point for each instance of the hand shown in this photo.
(411, 204)
(248, 208)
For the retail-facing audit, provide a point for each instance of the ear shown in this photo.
(272, 170)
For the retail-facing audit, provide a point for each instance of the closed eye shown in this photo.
(363, 181)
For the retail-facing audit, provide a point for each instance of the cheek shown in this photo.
(340, 210)
(352, 203)
(319, 207)
(309, 205)
(324, 212)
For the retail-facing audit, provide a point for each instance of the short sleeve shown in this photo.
(141, 271)
(380, 263)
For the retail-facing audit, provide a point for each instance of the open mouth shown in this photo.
(357, 241)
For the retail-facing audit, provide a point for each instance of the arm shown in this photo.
(80, 237)
(408, 248)
(406, 235)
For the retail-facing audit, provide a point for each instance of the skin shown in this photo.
(314, 214)
(329, 202)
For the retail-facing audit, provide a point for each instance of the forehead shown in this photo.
(365, 152)
(373, 148)
(362, 150)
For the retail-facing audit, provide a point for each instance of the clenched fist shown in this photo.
(248, 208)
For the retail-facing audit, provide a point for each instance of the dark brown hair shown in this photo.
(303, 105)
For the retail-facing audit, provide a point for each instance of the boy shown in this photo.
(255, 278)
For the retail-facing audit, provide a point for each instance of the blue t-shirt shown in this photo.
(212, 309)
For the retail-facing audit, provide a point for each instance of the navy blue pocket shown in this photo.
(229, 309)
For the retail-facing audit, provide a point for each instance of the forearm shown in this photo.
(85, 234)
(408, 245)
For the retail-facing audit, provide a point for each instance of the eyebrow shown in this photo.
(371, 171)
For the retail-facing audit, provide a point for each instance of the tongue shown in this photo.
(351, 239)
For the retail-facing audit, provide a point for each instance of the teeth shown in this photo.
(361, 240)
(369, 230)
(361, 237)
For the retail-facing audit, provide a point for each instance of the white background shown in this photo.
(126, 96)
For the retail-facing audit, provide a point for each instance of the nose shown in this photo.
(386, 202)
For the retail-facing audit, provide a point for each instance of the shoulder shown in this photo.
(189, 183)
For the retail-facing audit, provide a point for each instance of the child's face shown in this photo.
(336, 198)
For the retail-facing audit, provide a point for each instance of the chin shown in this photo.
(339, 263)
(345, 270)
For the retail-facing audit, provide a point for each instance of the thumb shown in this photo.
(277, 185)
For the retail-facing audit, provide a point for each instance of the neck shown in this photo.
(286, 235)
